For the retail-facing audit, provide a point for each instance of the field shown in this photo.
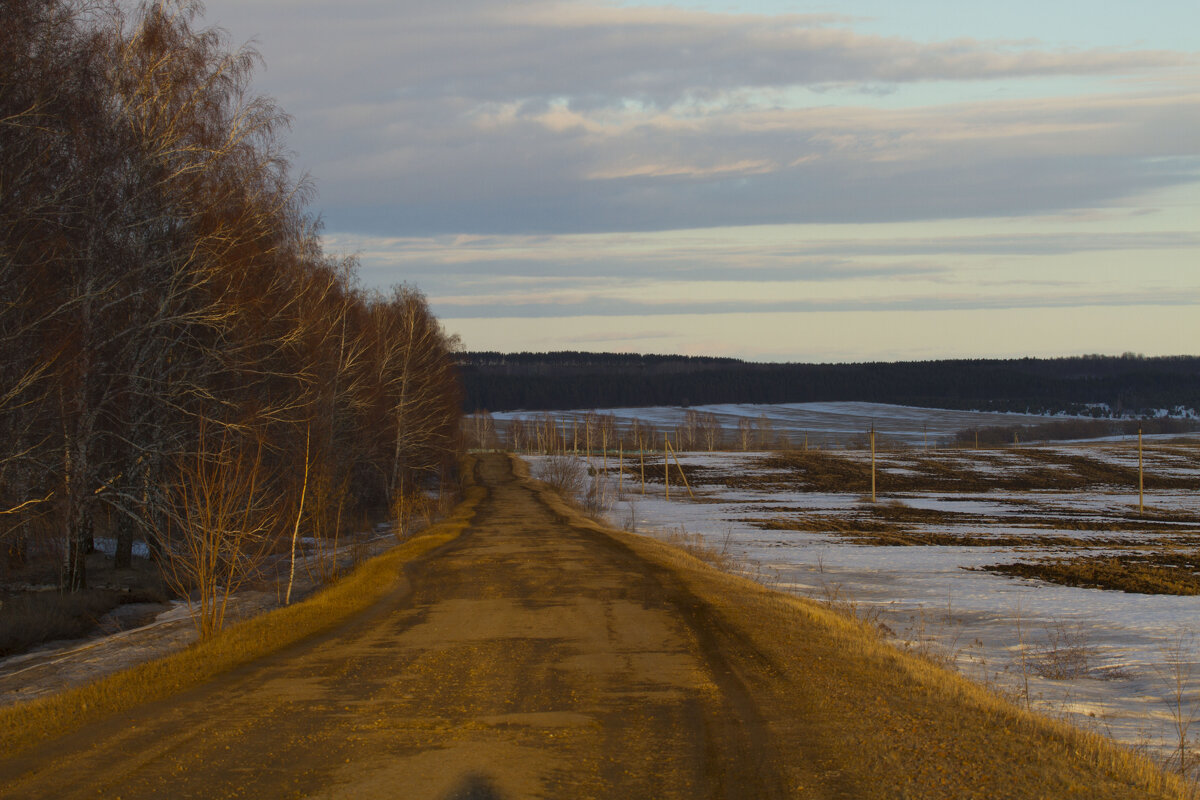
(1029, 567)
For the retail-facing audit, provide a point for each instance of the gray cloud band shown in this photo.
(421, 117)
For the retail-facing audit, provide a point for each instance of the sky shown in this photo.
(778, 181)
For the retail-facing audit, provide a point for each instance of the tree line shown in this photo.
(1100, 386)
(180, 362)
(1067, 430)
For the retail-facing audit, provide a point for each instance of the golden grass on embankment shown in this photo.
(24, 725)
(888, 723)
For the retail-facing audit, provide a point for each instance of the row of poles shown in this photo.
(669, 454)
(667, 449)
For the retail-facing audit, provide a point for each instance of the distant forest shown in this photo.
(1097, 386)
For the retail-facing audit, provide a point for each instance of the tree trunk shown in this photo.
(123, 559)
(77, 530)
(153, 518)
(18, 551)
(75, 576)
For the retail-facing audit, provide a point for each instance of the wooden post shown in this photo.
(642, 456)
(299, 515)
(620, 468)
(976, 440)
(667, 465)
(925, 429)
(604, 446)
(872, 463)
(806, 441)
(682, 474)
(1141, 480)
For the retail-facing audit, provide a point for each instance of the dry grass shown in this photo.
(25, 725)
(895, 708)
(698, 547)
(910, 727)
(865, 530)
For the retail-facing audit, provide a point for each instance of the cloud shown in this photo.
(559, 305)
(423, 117)
(647, 171)
(763, 252)
(529, 50)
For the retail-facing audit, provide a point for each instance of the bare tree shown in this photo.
(221, 524)
(517, 435)
(162, 290)
(483, 430)
(415, 374)
(745, 433)
(688, 432)
(709, 431)
(762, 430)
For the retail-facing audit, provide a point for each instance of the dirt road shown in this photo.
(533, 657)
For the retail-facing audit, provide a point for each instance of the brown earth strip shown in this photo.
(1027, 469)
(1162, 572)
(542, 655)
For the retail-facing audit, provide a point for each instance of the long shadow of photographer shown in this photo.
(475, 786)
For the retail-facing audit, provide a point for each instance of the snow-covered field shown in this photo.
(1104, 658)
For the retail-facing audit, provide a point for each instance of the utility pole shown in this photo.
(620, 468)
(1141, 479)
(872, 463)
(666, 465)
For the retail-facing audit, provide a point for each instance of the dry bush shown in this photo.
(222, 524)
(1065, 654)
(718, 553)
(937, 636)
(599, 498)
(410, 511)
(1176, 672)
(630, 521)
(567, 474)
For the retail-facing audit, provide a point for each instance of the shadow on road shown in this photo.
(475, 787)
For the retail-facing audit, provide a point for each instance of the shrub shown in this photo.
(567, 474)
